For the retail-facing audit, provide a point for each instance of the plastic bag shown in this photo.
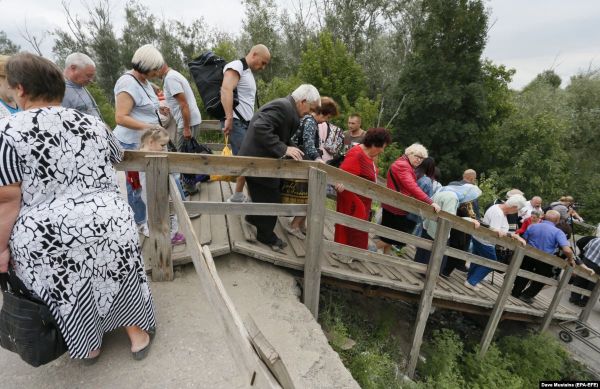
(226, 153)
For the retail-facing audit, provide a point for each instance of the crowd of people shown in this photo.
(73, 241)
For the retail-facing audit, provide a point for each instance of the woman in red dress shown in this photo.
(361, 161)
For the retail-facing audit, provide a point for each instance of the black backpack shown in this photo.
(207, 71)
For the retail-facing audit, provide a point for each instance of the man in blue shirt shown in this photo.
(544, 236)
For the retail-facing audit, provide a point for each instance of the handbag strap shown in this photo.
(147, 94)
(393, 180)
(4, 281)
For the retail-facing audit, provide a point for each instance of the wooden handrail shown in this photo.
(283, 168)
(159, 164)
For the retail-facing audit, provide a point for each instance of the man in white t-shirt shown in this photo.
(494, 219)
(237, 75)
(180, 99)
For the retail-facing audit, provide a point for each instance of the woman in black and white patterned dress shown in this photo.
(71, 236)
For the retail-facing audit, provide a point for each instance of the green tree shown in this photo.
(140, 29)
(527, 151)
(106, 109)
(327, 64)
(548, 77)
(7, 47)
(443, 85)
(583, 98)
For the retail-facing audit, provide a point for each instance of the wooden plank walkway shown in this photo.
(212, 229)
(225, 233)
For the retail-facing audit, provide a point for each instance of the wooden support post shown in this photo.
(585, 313)
(157, 250)
(315, 217)
(507, 285)
(560, 290)
(433, 270)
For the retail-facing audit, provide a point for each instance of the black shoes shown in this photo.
(278, 245)
(526, 299)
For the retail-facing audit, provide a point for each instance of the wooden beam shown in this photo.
(157, 249)
(585, 313)
(247, 363)
(269, 355)
(507, 285)
(372, 228)
(433, 270)
(369, 256)
(581, 291)
(317, 185)
(261, 209)
(564, 281)
(268, 167)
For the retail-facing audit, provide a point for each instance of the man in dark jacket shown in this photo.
(268, 135)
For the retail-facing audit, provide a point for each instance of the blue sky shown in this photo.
(528, 35)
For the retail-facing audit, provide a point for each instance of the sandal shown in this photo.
(92, 360)
(143, 353)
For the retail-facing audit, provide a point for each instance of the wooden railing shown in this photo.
(158, 165)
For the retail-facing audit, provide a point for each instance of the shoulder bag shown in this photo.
(26, 324)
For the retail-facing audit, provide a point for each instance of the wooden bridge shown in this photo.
(219, 231)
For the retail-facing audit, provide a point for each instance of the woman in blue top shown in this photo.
(7, 104)
(136, 110)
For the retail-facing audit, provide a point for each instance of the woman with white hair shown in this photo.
(137, 109)
(401, 177)
(494, 219)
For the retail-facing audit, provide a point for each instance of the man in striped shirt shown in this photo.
(590, 255)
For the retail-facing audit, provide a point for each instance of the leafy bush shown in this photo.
(442, 366)
(373, 370)
(539, 356)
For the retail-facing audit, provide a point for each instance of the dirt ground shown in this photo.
(189, 350)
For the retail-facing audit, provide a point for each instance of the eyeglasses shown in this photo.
(419, 157)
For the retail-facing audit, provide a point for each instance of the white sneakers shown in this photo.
(297, 232)
(143, 229)
(472, 287)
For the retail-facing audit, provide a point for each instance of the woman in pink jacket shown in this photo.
(401, 178)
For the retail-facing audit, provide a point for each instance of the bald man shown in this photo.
(238, 75)
(535, 204)
(469, 177)
(544, 236)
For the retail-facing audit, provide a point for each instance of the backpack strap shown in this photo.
(244, 63)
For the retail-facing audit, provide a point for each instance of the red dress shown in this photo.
(358, 163)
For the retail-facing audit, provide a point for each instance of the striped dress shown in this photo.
(74, 243)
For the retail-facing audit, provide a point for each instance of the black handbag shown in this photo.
(191, 146)
(26, 324)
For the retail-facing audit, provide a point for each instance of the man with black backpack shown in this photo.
(237, 75)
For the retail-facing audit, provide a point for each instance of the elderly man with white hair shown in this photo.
(535, 204)
(268, 135)
(494, 219)
(79, 71)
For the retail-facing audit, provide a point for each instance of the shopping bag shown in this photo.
(226, 153)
